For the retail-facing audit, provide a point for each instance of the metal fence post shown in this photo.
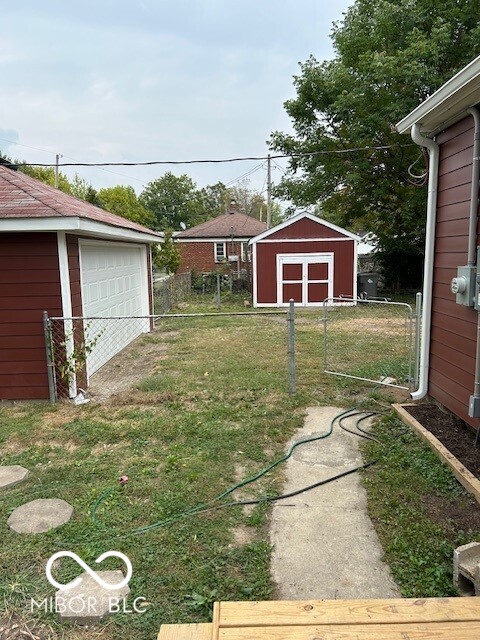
(418, 326)
(218, 291)
(47, 331)
(291, 347)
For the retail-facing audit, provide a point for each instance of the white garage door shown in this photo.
(114, 281)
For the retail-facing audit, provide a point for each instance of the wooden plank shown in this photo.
(314, 612)
(197, 631)
(425, 631)
(216, 620)
(463, 475)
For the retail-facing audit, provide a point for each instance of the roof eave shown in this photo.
(78, 225)
(448, 104)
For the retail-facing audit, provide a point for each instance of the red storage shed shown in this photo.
(304, 258)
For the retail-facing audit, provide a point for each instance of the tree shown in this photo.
(46, 175)
(123, 201)
(168, 256)
(248, 201)
(390, 55)
(173, 200)
(215, 198)
(83, 190)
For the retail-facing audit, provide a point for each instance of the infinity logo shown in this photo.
(91, 573)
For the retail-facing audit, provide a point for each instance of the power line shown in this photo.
(245, 175)
(19, 144)
(219, 161)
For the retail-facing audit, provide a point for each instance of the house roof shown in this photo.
(29, 204)
(233, 223)
(448, 104)
(300, 216)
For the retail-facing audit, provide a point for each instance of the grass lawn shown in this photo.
(212, 412)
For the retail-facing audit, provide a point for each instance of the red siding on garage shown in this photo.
(266, 265)
(29, 284)
(453, 337)
(74, 273)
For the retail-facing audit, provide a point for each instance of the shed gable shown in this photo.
(305, 229)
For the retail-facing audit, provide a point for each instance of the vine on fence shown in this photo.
(73, 361)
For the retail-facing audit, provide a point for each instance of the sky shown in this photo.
(143, 80)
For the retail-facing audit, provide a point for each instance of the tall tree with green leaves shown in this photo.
(389, 56)
(123, 201)
(46, 175)
(216, 199)
(83, 190)
(168, 256)
(173, 200)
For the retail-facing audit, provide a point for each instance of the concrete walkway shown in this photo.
(324, 542)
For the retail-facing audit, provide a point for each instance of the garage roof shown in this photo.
(448, 104)
(26, 204)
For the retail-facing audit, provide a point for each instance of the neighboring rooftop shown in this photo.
(24, 197)
(231, 224)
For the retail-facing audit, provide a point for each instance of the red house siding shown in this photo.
(266, 265)
(200, 256)
(29, 284)
(453, 336)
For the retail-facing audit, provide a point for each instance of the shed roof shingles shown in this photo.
(24, 197)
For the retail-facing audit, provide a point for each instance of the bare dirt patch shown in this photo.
(462, 514)
(129, 367)
(452, 432)
(243, 535)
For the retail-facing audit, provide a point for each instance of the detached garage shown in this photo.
(71, 259)
(306, 259)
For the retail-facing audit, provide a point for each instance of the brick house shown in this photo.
(207, 246)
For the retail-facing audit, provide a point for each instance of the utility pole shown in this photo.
(269, 192)
(57, 158)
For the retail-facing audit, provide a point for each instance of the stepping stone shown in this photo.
(89, 602)
(40, 515)
(10, 476)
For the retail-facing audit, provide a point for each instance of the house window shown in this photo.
(220, 252)
(246, 253)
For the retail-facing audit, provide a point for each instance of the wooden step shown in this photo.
(196, 631)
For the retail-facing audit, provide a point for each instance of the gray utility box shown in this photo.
(463, 286)
(367, 283)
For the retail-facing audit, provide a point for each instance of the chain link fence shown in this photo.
(170, 291)
(78, 347)
(370, 340)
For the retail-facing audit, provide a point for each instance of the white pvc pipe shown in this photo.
(472, 229)
(433, 151)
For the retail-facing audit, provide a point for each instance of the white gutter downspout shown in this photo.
(433, 152)
(472, 229)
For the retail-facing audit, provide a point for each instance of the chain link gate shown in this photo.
(371, 340)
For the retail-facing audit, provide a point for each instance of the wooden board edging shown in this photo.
(463, 475)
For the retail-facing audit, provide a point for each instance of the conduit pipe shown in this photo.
(472, 228)
(472, 251)
(433, 153)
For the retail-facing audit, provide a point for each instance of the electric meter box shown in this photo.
(463, 286)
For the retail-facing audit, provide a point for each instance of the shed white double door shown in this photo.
(114, 281)
(307, 278)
